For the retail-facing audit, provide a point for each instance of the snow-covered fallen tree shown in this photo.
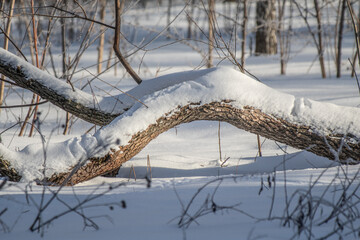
(131, 120)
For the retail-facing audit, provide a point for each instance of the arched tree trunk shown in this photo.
(293, 123)
(248, 119)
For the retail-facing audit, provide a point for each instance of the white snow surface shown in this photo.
(185, 158)
(162, 95)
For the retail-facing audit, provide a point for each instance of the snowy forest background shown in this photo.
(201, 180)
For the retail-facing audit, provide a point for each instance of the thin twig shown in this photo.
(13, 43)
(24, 105)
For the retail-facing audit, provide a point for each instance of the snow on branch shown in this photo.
(57, 91)
(156, 105)
(91, 108)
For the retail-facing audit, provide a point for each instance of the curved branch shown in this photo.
(77, 102)
(248, 119)
(93, 109)
(220, 94)
(118, 11)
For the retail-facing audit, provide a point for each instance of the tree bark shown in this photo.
(247, 118)
(250, 119)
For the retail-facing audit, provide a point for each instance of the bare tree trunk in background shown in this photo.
(111, 51)
(6, 45)
(102, 37)
(2, 3)
(211, 15)
(320, 44)
(281, 10)
(37, 65)
(226, 6)
(340, 37)
(356, 25)
(31, 43)
(63, 47)
(169, 15)
(64, 67)
(27, 117)
(243, 34)
(142, 3)
(284, 36)
(71, 30)
(354, 64)
(266, 41)
(190, 19)
(67, 123)
(242, 61)
(336, 32)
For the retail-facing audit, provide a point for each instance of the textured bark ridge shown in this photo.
(248, 118)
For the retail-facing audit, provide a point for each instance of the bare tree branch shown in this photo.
(118, 11)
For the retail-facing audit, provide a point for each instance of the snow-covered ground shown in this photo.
(185, 160)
